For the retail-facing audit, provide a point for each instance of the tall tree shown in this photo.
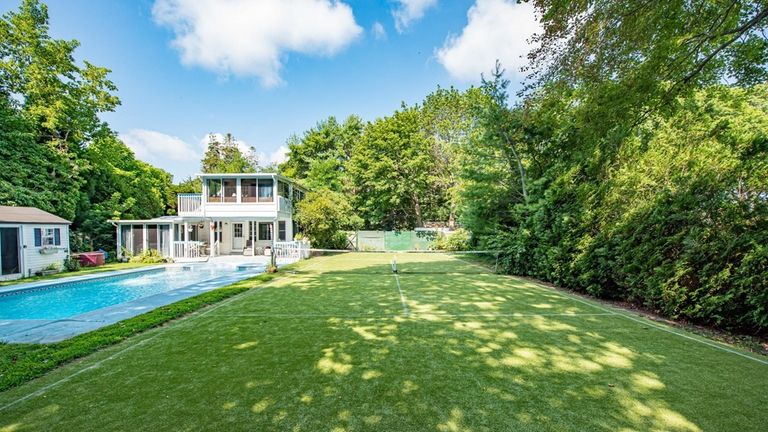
(319, 156)
(390, 172)
(225, 156)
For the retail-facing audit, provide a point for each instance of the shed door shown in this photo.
(9, 251)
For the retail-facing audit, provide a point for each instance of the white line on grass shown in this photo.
(180, 324)
(641, 321)
(406, 312)
(416, 315)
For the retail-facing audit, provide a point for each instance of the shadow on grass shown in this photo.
(333, 350)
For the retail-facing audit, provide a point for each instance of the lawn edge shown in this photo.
(30, 361)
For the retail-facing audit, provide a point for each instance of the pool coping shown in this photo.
(56, 330)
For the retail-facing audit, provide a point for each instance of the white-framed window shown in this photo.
(46, 237)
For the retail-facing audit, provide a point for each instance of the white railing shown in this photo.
(188, 249)
(284, 204)
(189, 204)
(292, 249)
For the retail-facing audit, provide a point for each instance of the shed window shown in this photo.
(281, 230)
(47, 237)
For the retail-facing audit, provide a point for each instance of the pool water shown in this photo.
(74, 298)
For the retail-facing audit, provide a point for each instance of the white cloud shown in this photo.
(278, 156)
(496, 29)
(155, 146)
(409, 11)
(379, 33)
(252, 38)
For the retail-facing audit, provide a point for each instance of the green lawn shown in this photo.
(333, 348)
(81, 272)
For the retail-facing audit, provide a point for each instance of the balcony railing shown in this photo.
(189, 204)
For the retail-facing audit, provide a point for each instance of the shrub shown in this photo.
(456, 241)
(149, 256)
(71, 264)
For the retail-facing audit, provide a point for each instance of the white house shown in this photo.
(31, 240)
(236, 214)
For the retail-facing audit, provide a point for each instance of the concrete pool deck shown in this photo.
(50, 331)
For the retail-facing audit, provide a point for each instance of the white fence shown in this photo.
(292, 249)
(189, 204)
(188, 249)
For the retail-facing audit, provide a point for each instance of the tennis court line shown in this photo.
(406, 312)
(417, 314)
(638, 320)
(180, 324)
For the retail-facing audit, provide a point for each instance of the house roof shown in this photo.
(29, 215)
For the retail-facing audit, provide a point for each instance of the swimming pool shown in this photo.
(63, 300)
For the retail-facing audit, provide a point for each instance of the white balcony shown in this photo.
(189, 204)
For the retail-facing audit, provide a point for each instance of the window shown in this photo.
(298, 195)
(281, 230)
(249, 189)
(265, 230)
(214, 190)
(230, 190)
(47, 237)
(265, 190)
(282, 189)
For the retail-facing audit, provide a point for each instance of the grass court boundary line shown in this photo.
(406, 312)
(440, 314)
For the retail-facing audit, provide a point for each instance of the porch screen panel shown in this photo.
(152, 240)
(138, 239)
(214, 190)
(165, 240)
(249, 188)
(265, 190)
(230, 190)
(125, 237)
(282, 189)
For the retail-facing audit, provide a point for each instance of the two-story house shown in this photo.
(236, 214)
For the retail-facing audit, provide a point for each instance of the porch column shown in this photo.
(172, 236)
(119, 243)
(211, 224)
(274, 233)
(186, 238)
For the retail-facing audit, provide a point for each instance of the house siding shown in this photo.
(33, 260)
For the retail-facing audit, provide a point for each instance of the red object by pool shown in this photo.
(91, 259)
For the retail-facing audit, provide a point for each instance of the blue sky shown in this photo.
(266, 69)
